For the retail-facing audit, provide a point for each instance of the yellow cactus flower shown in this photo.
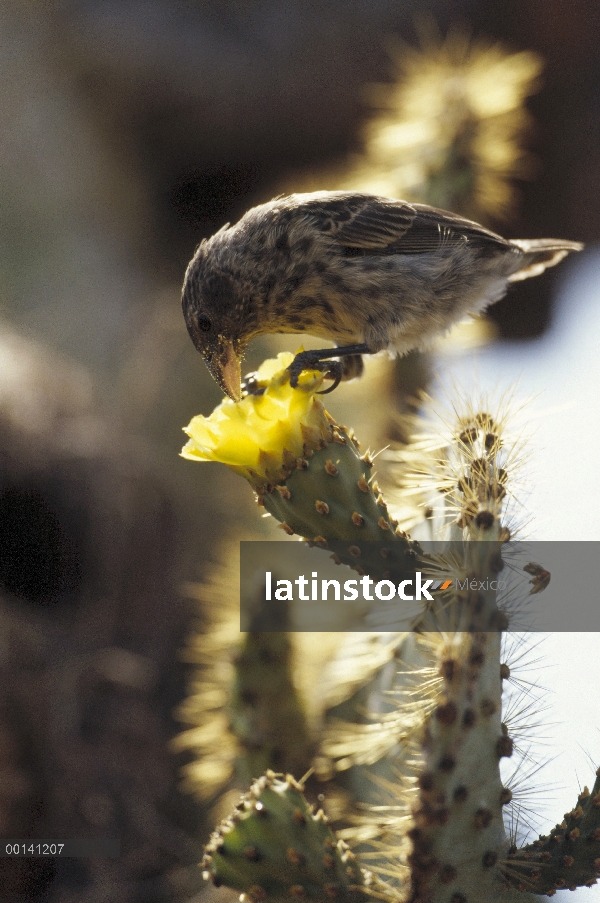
(261, 436)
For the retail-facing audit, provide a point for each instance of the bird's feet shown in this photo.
(348, 367)
(312, 360)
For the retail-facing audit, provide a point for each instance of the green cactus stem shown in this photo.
(275, 847)
(329, 498)
(458, 826)
(265, 711)
(329, 492)
(569, 857)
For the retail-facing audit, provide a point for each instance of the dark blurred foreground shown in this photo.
(91, 622)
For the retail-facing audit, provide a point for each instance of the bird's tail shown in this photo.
(540, 253)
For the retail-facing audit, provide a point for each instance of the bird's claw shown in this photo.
(308, 360)
(334, 371)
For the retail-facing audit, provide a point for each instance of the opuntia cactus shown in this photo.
(442, 741)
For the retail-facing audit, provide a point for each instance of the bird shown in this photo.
(365, 272)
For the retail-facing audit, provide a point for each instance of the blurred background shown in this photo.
(130, 131)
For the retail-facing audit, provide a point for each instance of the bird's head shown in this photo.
(212, 316)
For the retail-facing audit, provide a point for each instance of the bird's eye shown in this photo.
(204, 324)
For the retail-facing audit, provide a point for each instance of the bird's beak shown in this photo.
(226, 370)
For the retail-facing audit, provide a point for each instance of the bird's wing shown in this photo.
(361, 221)
(370, 225)
(432, 227)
